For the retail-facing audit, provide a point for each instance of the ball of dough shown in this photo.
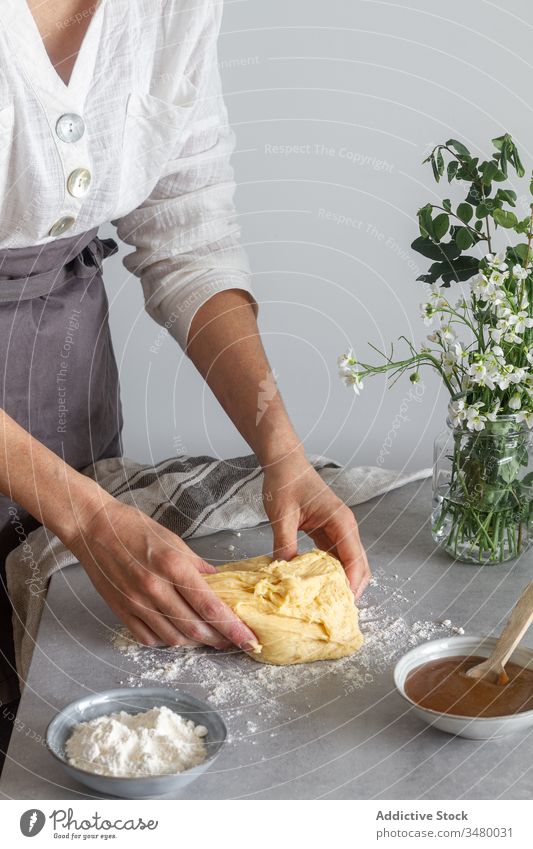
(300, 611)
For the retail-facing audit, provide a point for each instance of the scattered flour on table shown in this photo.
(233, 682)
(155, 742)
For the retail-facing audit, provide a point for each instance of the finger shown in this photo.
(286, 535)
(189, 621)
(171, 618)
(203, 566)
(212, 610)
(344, 534)
(141, 632)
(323, 542)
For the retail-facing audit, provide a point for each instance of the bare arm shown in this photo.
(146, 574)
(225, 345)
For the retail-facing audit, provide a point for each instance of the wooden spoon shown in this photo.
(492, 669)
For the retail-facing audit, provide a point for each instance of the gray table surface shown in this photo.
(364, 744)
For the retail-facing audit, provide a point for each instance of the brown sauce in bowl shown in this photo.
(443, 686)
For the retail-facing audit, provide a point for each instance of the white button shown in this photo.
(78, 182)
(70, 127)
(61, 226)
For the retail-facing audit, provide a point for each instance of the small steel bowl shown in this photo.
(133, 701)
(472, 727)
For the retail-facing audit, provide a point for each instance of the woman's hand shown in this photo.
(153, 581)
(296, 498)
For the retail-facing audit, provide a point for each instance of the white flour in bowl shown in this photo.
(155, 742)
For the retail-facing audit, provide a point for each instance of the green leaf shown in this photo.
(508, 469)
(465, 212)
(504, 218)
(440, 226)
(479, 226)
(459, 269)
(490, 172)
(464, 238)
(458, 147)
(482, 210)
(428, 248)
(474, 196)
(507, 196)
(518, 253)
(517, 162)
(462, 268)
(435, 271)
(439, 159)
(523, 226)
(453, 167)
(499, 141)
(447, 204)
(425, 220)
(527, 480)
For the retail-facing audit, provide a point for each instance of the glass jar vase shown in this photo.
(483, 491)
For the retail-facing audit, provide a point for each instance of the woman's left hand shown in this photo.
(296, 498)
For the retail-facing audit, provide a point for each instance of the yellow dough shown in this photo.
(300, 611)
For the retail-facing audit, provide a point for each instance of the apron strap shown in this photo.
(81, 256)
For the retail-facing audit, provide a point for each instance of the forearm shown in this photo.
(43, 484)
(225, 346)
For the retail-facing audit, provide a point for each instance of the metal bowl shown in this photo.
(135, 701)
(472, 727)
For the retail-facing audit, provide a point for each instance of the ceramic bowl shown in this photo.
(135, 701)
(474, 728)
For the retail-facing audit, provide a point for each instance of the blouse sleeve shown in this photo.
(186, 234)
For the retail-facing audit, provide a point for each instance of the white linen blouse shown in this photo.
(139, 137)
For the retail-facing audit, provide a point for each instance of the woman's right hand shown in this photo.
(153, 581)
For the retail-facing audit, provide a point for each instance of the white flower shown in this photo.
(497, 277)
(474, 419)
(447, 334)
(504, 378)
(503, 312)
(428, 312)
(519, 273)
(348, 371)
(347, 361)
(496, 298)
(477, 371)
(479, 374)
(439, 301)
(525, 416)
(515, 402)
(497, 261)
(529, 357)
(460, 353)
(496, 334)
(457, 412)
(481, 287)
(522, 321)
(449, 361)
(353, 380)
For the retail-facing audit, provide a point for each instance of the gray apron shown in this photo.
(59, 378)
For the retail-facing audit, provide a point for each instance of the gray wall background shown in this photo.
(334, 104)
